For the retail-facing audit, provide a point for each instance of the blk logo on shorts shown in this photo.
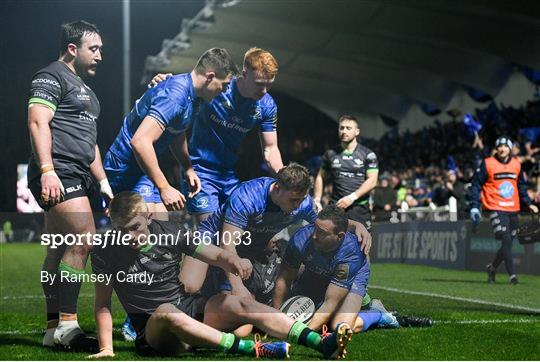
(73, 189)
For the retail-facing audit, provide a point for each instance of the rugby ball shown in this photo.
(299, 308)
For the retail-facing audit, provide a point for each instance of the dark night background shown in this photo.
(31, 31)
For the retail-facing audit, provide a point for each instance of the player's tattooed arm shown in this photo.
(332, 299)
(270, 151)
(362, 234)
(103, 317)
(286, 276)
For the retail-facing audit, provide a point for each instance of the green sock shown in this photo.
(302, 335)
(232, 344)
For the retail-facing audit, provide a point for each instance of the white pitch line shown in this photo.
(490, 321)
(461, 299)
(16, 297)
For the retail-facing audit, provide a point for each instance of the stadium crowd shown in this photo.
(437, 162)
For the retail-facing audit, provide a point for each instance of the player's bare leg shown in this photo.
(158, 210)
(171, 331)
(193, 271)
(228, 312)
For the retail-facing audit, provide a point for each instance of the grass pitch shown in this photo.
(473, 320)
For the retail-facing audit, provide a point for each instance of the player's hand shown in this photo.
(193, 181)
(344, 202)
(533, 208)
(52, 190)
(172, 198)
(105, 190)
(241, 267)
(105, 352)
(318, 204)
(365, 238)
(158, 78)
(475, 216)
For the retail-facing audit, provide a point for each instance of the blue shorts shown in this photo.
(216, 187)
(131, 179)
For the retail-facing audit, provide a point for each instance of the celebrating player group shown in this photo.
(203, 294)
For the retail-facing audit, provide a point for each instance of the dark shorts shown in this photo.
(76, 184)
(191, 304)
(504, 222)
(361, 214)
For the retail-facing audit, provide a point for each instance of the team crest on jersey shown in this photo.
(256, 113)
(341, 272)
(202, 202)
(226, 104)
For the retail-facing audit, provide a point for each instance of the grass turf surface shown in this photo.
(462, 331)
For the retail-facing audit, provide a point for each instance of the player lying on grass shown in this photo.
(335, 276)
(169, 321)
(256, 211)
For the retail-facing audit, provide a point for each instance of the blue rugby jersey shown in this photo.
(171, 103)
(343, 267)
(250, 208)
(222, 125)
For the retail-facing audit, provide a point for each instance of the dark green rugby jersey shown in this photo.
(161, 261)
(348, 170)
(76, 110)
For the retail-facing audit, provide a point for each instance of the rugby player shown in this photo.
(335, 277)
(255, 212)
(353, 171)
(167, 320)
(158, 120)
(499, 184)
(220, 128)
(64, 165)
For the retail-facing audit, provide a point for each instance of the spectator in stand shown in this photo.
(385, 198)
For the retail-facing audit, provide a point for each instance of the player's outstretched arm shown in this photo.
(142, 143)
(230, 262)
(332, 299)
(286, 276)
(103, 317)
(364, 237)
(318, 188)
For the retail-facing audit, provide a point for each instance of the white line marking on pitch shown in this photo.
(451, 297)
(490, 321)
(15, 297)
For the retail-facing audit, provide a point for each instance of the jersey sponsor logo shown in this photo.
(336, 163)
(506, 190)
(87, 116)
(503, 175)
(73, 188)
(46, 81)
(230, 125)
(42, 95)
(341, 272)
(347, 157)
(83, 96)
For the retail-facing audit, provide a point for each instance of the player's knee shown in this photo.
(169, 314)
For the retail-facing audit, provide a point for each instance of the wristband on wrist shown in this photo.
(46, 168)
(352, 196)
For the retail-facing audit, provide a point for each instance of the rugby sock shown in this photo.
(50, 290)
(232, 344)
(302, 335)
(369, 318)
(69, 290)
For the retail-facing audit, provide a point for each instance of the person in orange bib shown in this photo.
(499, 183)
